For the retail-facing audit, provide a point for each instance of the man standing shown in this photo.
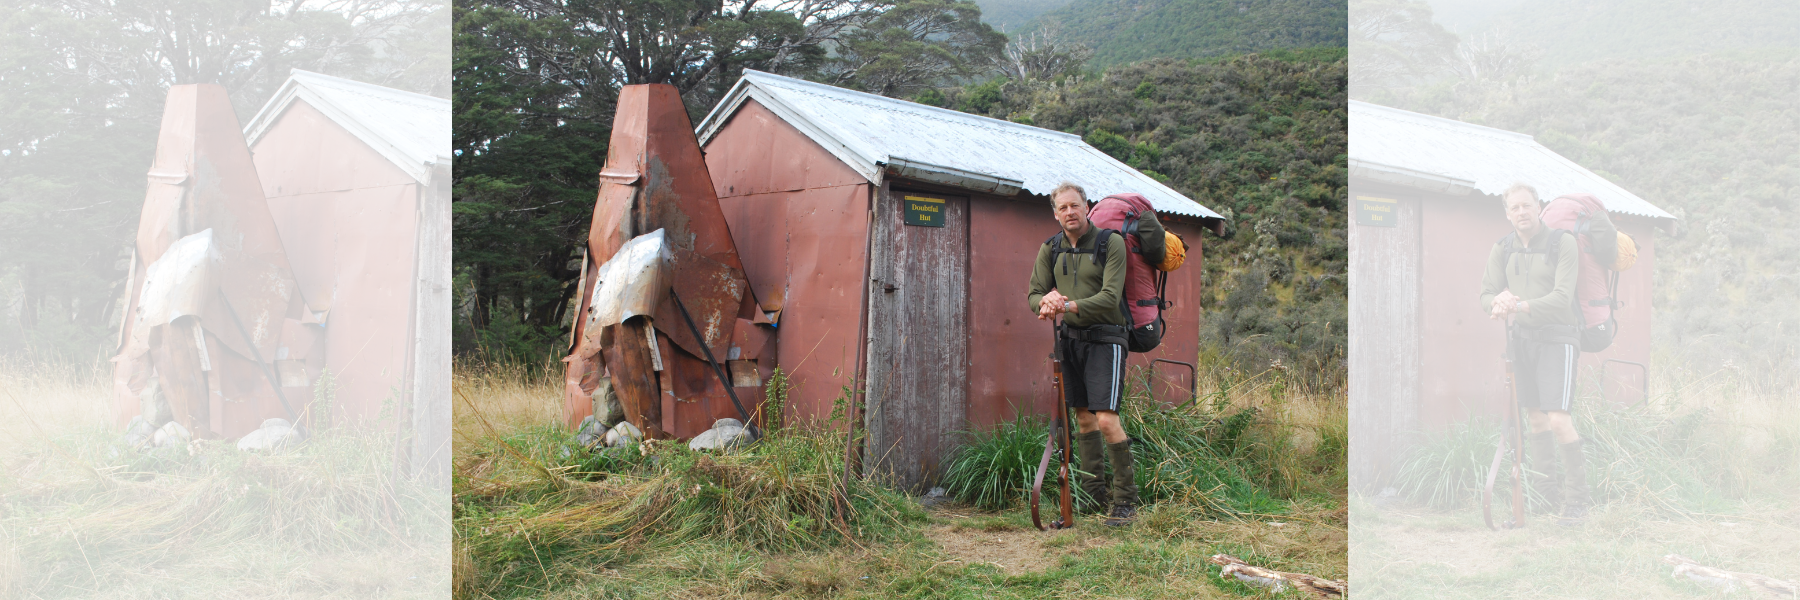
(1081, 278)
(1530, 277)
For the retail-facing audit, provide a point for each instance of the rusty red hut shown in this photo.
(927, 317)
(1425, 197)
(357, 178)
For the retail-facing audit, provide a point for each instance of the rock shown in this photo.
(590, 433)
(707, 440)
(153, 404)
(171, 435)
(623, 434)
(138, 432)
(936, 496)
(274, 435)
(726, 434)
(607, 408)
(276, 422)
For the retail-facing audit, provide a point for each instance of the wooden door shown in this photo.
(918, 335)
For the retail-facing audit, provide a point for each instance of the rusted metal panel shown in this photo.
(819, 337)
(1008, 346)
(655, 179)
(1384, 338)
(758, 153)
(1459, 370)
(759, 222)
(918, 339)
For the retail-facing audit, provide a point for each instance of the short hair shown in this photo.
(1067, 186)
(1518, 187)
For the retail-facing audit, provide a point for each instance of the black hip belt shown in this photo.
(1546, 332)
(1097, 334)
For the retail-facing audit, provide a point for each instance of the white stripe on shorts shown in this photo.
(1568, 374)
(1113, 400)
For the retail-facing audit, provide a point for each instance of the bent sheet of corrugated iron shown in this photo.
(179, 283)
(631, 283)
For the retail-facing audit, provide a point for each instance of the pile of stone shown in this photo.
(275, 435)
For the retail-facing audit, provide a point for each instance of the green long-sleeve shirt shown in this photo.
(1549, 288)
(1095, 290)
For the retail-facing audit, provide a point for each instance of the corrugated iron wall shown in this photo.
(349, 219)
(800, 221)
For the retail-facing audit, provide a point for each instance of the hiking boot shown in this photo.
(1092, 477)
(1572, 516)
(1546, 474)
(1575, 489)
(1121, 515)
(1124, 476)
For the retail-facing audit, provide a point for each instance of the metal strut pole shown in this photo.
(755, 433)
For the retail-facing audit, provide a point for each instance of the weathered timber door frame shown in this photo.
(917, 345)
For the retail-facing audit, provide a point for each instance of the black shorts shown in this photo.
(1545, 374)
(1093, 374)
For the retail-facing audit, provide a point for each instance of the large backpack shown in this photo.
(1146, 267)
(1604, 252)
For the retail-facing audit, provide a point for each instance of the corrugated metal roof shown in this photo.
(1434, 153)
(412, 130)
(871, 133)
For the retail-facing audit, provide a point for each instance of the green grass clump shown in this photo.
(524, 512)
(994, 469)
(1225, 456)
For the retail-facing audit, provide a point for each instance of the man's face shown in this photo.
(1522, 212)
(1071, 213)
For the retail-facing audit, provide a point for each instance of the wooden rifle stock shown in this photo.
(1059, 436)
(1511, 436)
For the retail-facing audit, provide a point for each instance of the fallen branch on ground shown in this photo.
(1731, 580)
(1232, 566)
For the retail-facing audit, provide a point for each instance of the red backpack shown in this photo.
(1134, 218)
(1599, 243)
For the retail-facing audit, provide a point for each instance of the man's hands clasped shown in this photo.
(1053, 304)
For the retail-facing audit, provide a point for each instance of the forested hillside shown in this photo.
(1125, 31)
(1257, 139)
(1564, 31)
(1714, 139)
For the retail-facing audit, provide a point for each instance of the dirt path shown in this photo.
(974, 537)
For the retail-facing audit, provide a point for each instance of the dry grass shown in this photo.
(82, 516)
(498, 400)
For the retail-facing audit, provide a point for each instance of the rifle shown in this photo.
(1059, 436)
(1513, 437)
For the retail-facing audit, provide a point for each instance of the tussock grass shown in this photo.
(83, 516)
(532, 507)
(1696, 447)
(1245, 446)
